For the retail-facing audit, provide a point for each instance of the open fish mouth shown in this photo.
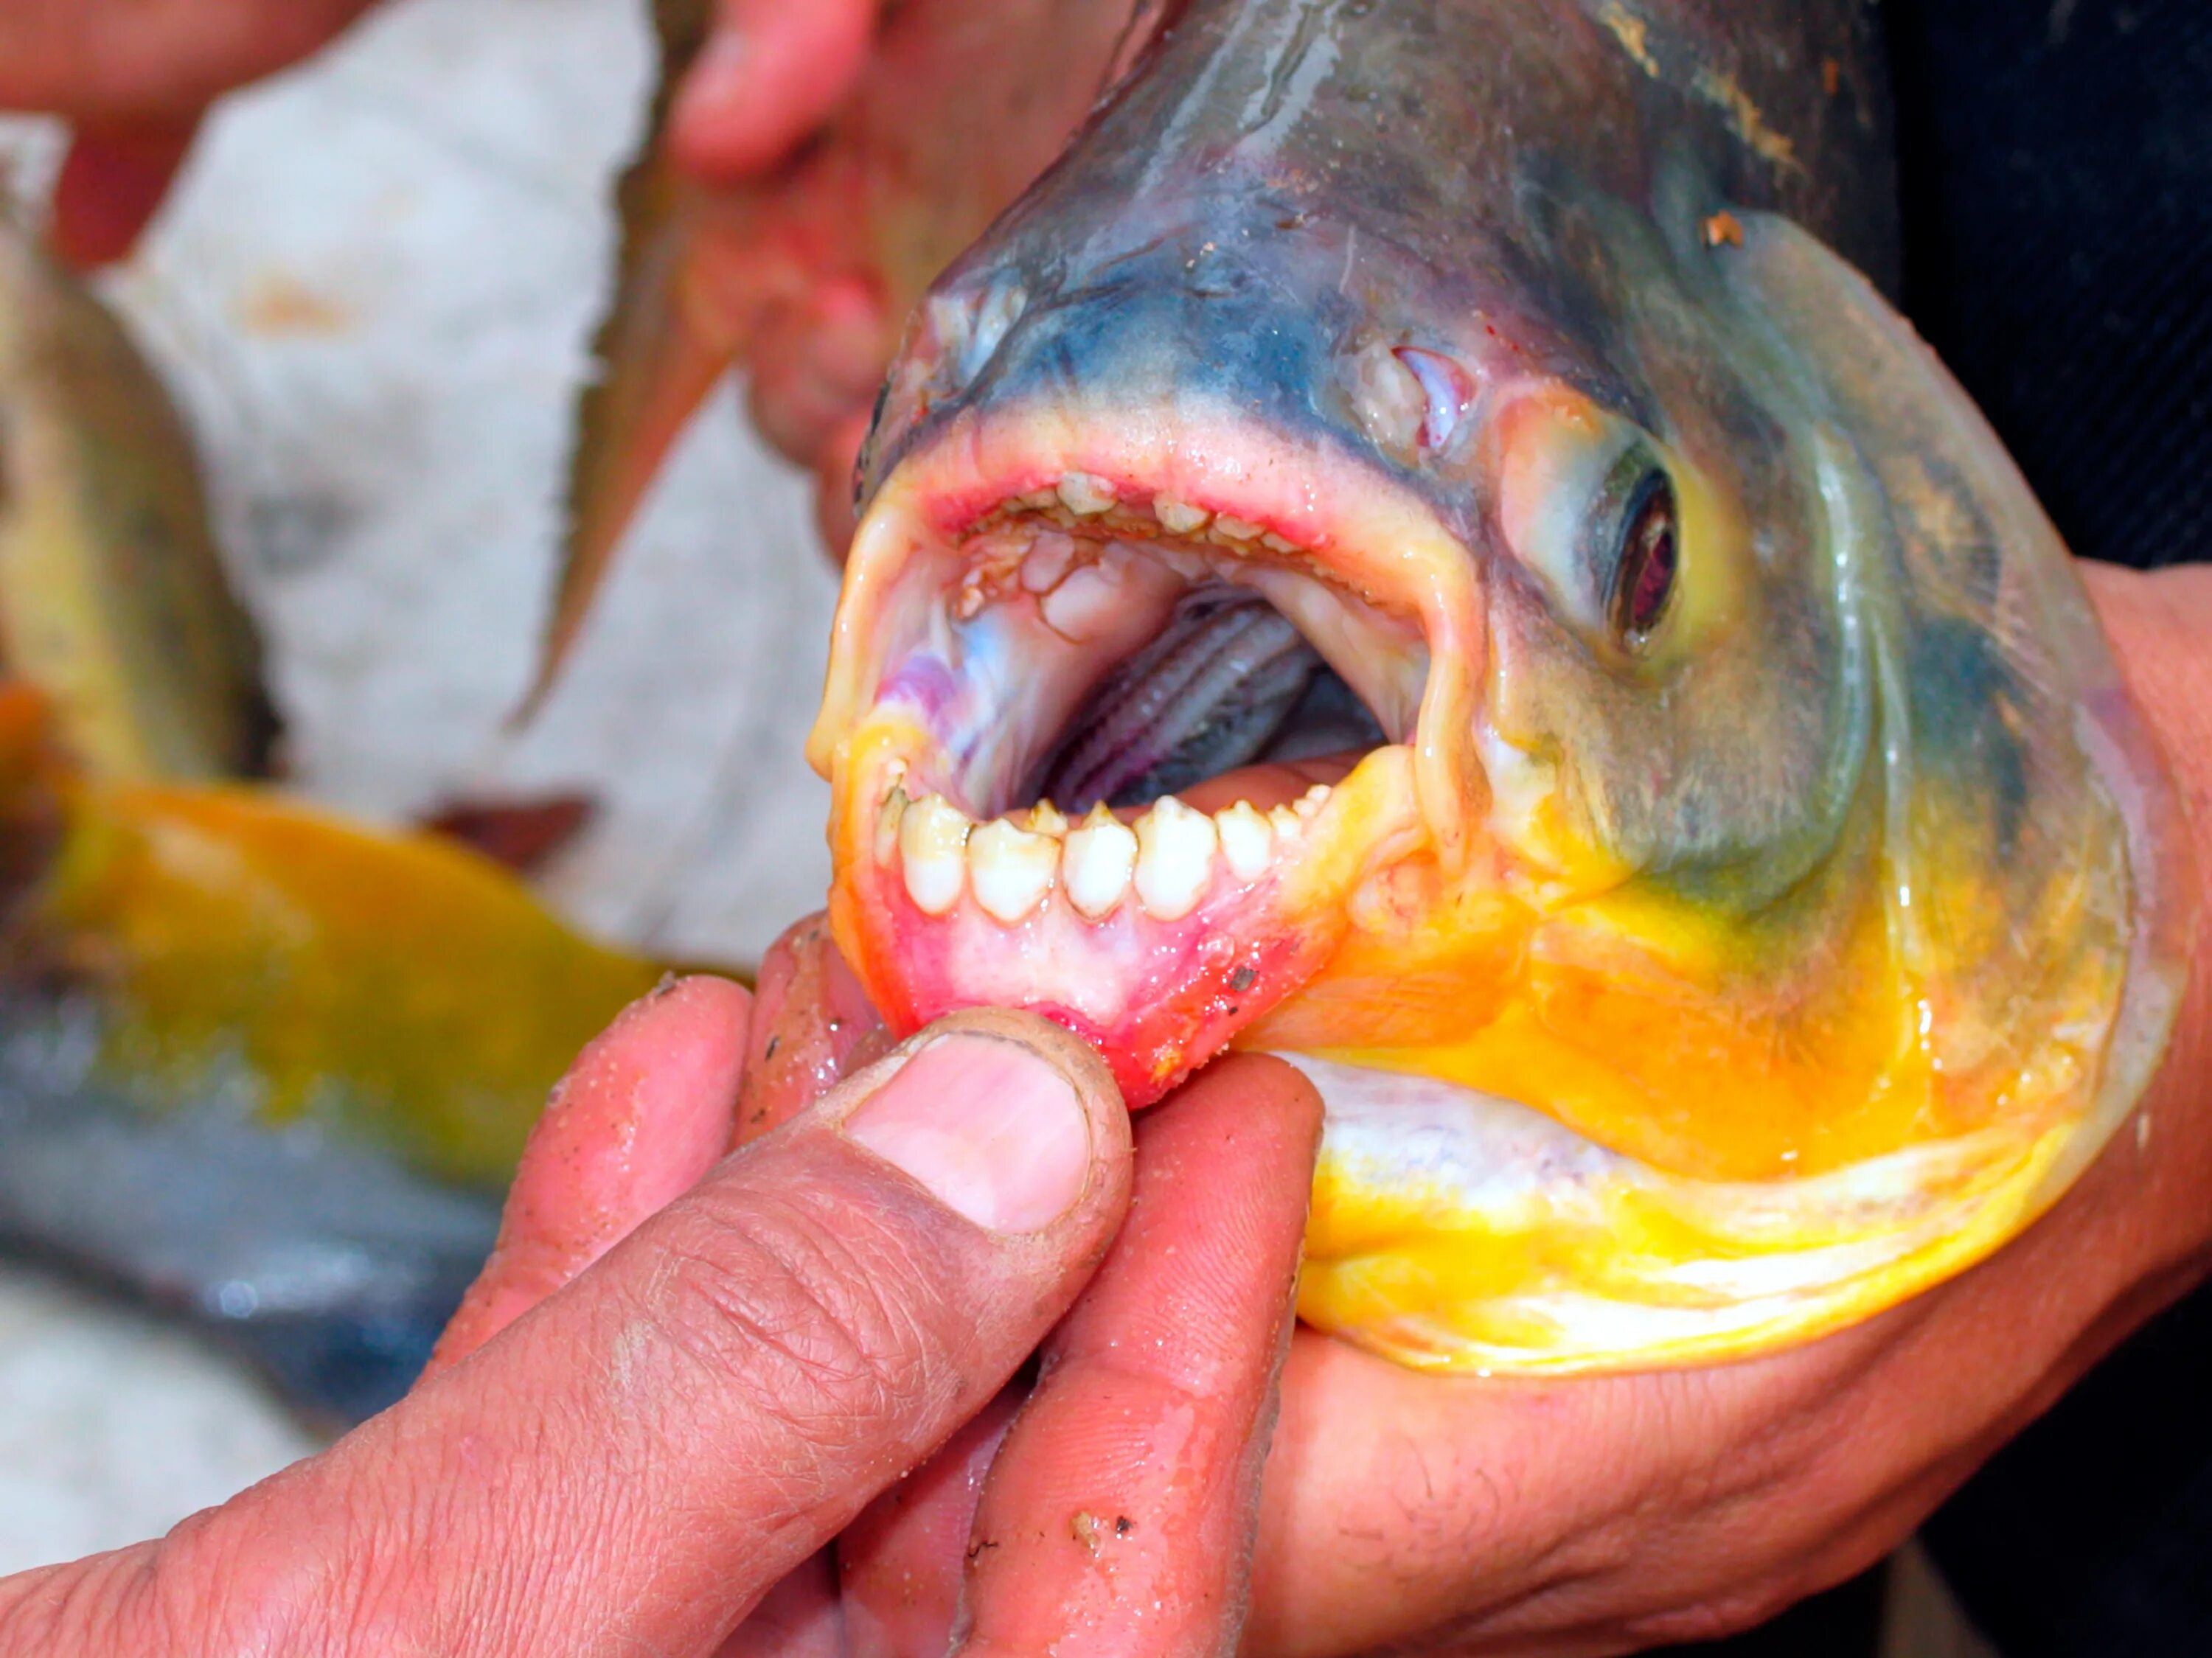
(1118, 726)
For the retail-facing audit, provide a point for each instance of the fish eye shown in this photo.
(1591, 504)
(1647, 556)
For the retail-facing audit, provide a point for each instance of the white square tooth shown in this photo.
(1086, 494)
(1235, 528)
(1278, 544)
(1038, 500)
(1174, 859)
(888, 817)
(932, 846)
(1246, 842)
(1179, 517)
(1191, 567)
(1051, 555)
(1310, 803)
(1102, 856)
(1011, 869)
(1118, 560)
(1286, 823)
(1076, 608)
(1045, 818)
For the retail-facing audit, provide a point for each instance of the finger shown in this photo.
(153, 57)
(719, 1396)
(1119, 1515)
(900, 1563)
(812, 1024)
(113, 181)
(770, 74)
(642, 1116)
(818, 364)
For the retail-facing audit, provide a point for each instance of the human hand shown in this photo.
(1454, 1515)
(134, 82)
(695, 1403)
(827, 161)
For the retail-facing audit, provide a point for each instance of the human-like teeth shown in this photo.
(1285, 822)
(1011, 869)
(1050, 558)
(932, 840)
(1177, 517)
(1247, 841)
(1174, 859)
(1089, 597)
(1102, 856)
(887, 824)
(1235, 528)
(1310, 803)
(1086, 494)
(1048, 819)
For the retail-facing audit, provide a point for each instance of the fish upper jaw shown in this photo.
(1001, 572)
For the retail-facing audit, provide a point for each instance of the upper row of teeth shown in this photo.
(1085, 496)
(1013, 864)
(1079, 579)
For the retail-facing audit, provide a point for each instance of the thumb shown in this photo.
(631, 1465)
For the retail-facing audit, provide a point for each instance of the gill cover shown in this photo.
(2024, 845)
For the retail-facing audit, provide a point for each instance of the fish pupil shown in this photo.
(1644, 580)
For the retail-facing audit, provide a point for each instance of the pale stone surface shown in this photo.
(373, 293)
(112, 1428)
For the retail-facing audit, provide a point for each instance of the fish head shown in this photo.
(1535, 641)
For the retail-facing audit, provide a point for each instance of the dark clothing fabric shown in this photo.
(2057, 163)
(2056, 158)
(2091, 1534)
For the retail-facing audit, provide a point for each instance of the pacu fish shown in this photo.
(262, 1066)
(112, 596)
(1419, 546)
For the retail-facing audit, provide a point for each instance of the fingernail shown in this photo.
(994, 1130)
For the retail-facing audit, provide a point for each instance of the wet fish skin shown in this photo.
(329, 1266)
(113, 598)
(1822, 925)
(265, 1068)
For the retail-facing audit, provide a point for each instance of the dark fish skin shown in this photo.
(1261, 147)
(325, 1261)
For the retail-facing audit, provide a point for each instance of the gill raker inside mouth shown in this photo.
(1000, 578)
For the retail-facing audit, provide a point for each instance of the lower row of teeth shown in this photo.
(1166, 862)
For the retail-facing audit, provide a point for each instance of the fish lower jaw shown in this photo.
(1155, 933)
